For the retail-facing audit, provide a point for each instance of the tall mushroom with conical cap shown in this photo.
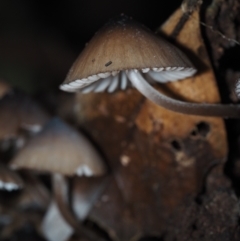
(126, 50)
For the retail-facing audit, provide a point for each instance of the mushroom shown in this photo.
(53, 226)
(126, 50)
(58, 148)
(22, 202)
(20, 116)
(85, 192)
(4, 88)
(9, 180)
(62, 151)
(35, 195)
(237, 88)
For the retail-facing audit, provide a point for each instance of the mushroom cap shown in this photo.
(4, 88)
(123, 44)
(18, 111)
(58, 148)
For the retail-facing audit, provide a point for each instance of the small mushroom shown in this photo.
(9, 180)
(4, 88)
(237, 89)
(53, 226)
(62, 151)
(20, 116)
(126, 50)
(85, 192)
(34, 196)
(58, 148)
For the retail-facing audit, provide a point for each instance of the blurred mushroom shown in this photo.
(23, 206)
(22, 200)
(85, 192)
(126, 50)
(58, 148)
(19, 112)
(35, 196)
(62, 151)
(53, 226)
(4, 88)
(237, 89)
(9, 180)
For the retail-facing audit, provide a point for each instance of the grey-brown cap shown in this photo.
(121, 45)
(17, 111)
(59, 148)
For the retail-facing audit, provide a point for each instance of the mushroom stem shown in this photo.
(237, 89)
(213, 110)
(60, 190)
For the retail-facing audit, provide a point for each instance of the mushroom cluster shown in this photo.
(124, 53)
(53, 169)
(52, 150)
